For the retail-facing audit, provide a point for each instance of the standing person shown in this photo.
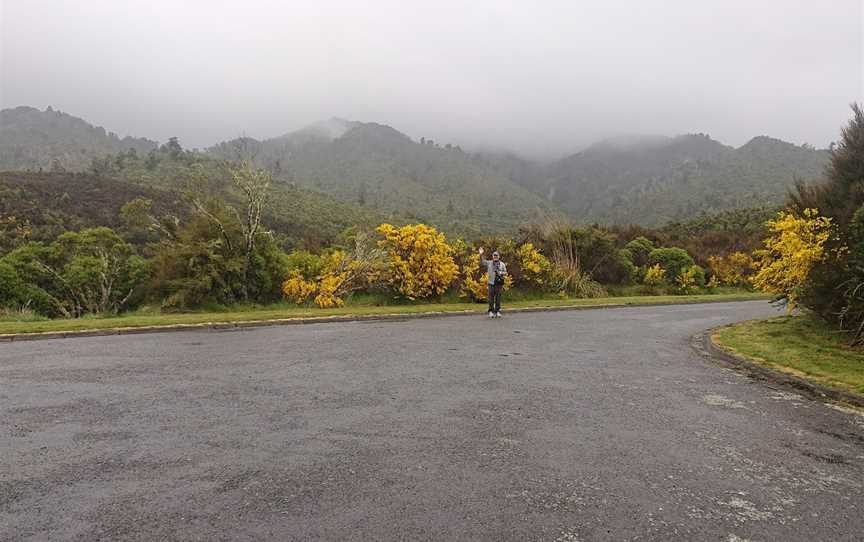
(496, 271)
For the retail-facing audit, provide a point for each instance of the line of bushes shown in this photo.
(203, 262)
(221, 253)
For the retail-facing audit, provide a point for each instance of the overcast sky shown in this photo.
(538, 77)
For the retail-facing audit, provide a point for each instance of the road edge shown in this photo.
(705, 344)
(299, 320)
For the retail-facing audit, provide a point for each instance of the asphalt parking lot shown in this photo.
(583, 425)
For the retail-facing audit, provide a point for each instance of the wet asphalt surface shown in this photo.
(583, 425)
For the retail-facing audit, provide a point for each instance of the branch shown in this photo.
(215, 220)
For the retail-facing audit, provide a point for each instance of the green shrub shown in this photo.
(309, 265)
(203, 265)
(15, 292)
(698, 274)
(638, 250)
(630, 273)
(672, 260)
(88, 272)
(690, 280)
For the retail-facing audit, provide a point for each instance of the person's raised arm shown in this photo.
(483, 260)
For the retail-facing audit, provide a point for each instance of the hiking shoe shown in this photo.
(491, 314)
(497, 315)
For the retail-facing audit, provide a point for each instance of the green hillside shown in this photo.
(379, 168)
(301, 215)
(337, 173)
(53, 203)
(651, 181)
(57, 202)
(31, 139)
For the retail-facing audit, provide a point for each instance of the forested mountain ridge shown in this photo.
(373, 169)
(655, 180)
(31, 139)
(377, 167)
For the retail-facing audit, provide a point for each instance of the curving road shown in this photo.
(583, 425)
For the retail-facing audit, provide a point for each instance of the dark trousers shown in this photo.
(495, 297)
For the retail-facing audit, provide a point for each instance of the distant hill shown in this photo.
(654, 180)
(360, 170)
(31, 139)
(73, 175)
(377, 167)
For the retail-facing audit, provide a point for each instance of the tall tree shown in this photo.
(835, 286)
(843, 192)
(254, 183)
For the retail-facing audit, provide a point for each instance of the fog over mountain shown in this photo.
(647, 180)
(542, 79)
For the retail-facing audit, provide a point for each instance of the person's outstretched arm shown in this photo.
(483, 261)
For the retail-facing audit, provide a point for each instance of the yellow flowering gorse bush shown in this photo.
(341, 274)
(794, 246)
(733, 270)
(654, 275)
(327, 289)
(686, 280)
(475, 287)
(536, 269)
(419, 261)
(298, 289)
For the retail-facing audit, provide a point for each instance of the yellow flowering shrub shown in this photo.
(733, 270)
(329, 290)
(654, 275)
(325, 291)
(419, 261)
(794, 246)
(475, 287)
(297, 289)
(536, 269)
(340, 274)
(686, 280)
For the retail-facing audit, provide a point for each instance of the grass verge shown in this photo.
(143, 319)
(798, 345)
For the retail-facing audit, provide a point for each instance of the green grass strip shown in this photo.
(143, 319)
(799, 345)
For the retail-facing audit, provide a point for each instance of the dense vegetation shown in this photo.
(652, 181)
(241, 223)
(57, 202)
(814, 255)
(52, 203)
(219, 238)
